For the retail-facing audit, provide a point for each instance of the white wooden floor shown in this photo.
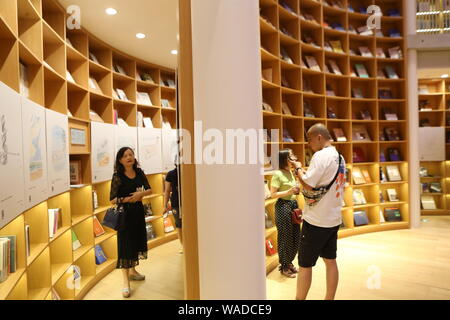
(410, 264)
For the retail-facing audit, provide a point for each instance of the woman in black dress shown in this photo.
(128, 186)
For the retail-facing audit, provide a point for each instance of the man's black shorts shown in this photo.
(315, 242)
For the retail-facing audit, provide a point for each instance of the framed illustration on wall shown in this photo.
(77, 137)
(75, 172)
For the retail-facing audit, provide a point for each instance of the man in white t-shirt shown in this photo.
(321, 218)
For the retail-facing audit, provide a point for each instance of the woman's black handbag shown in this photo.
(112, 217)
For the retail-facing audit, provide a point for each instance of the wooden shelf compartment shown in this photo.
(154, 73)
(61, 256)
(37, 219)
(340, 86)
(102, 106)
(78, 104)
(85, 235)
(402, 147)
(30, 27)
(294, 128)
(104, 80)
(155, 95)
(292, 26)
(39, 277)
(85, 159)
(34, 72)
(367, 87)
(345, 126)
(151, 112)
(20, 290)
(401, 190)
(126, 111)
(65, 285)
(79, 40)
(128, 65)
(340, 107)
(9, 57)
(55, 17)
(103, 53)
(270, 42)
(61, 201)
(87, 269)
(294, 102)
(273, 98)
(398, 108)
(8, 16)
(80, 208)
(109, 247)
(292, 76)
(269, 10)
(55, 92)
(79, 69)
(314, 81)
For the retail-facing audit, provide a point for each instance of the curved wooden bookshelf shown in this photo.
(34, 33)
(285, 32)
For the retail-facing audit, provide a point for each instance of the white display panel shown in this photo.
(150, 150)
(34, 153)
(11, 157)
(126, 137)
(57, 126)
(102, 153)
(169, 148)
(432, 144)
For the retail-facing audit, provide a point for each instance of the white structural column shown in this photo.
(414, 162)
(230, 198)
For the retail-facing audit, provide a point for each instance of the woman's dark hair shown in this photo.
(283, 158)
(118, 167)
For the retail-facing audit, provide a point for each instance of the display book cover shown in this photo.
(361, 70)
(392, 134)
(307, 110)
(76, 244)
(428, 203)
(100, 256)
(358, 197)
(358, 177)
(98, 229)
(392, 215)
(392, 195)
(393, 173)
(358, 155)
(360, 133)
(360, 218)
(312, 63)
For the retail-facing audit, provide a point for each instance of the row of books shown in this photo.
(362, 176)
(433, 187)
(359, 133)
(432, 5)
(8, 256)
(360, 217)
(393, 155)
(359, 198)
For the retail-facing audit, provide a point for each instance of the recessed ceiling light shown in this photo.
(174, 52)
(444, 76)
(111, 11)
(140, 35)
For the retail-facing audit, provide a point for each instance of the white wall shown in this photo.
(433, 64)
(230, 199)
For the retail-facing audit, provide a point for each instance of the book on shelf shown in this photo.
(423, 172)
(365, 52)
(24, 84)
(331, 114)
(148, 122)
(325, 68)
(339, 135)
(392, 134)
(54, 221)
(146, 77)
(380, 53)
(379, 33)
(358, 197)
(76, 244)
(286, 32)
(69, 77)
(312, 63)
(93, 85)
(389, 114)
(394, 33)
(98, 228)
(308, 39)
(270, 248)
(394, 154)
(360, 133)
(122, 95)
(395, 53)
(424, 105)
(365, 31)
(285, 56)
(143, 98)
(286, 136)
(350, 8)
(8, 258)
(115, 95)
(93, 116)
(166, 124)
(383, 177)
(27, 239)
(267, 107)
(119, 69)
(285, 81)
(380, 74)
(150, 232)
(382, 136)
(334, 67)
(288, 8)
(94, 199)
(329, 91)
(169, 83)
(327, 46)
(361, 70)
(425, 188)
(366, 176)
(165, 103)
(428, 203)
(93, 57)
(309, 17)
(365, 115)
(337, 46)
(385, 93)
(382, 156)
(392, 195)
(122, 123)
(337, 26)
(267, 74)
(393, 173)
(382, 220)
(285, 108)
(100, 256)
(435, 187)
(360, 218)
(357, 93)
(307, 109)
(140, 119)
(351, 29)
(390, 72)
(358, 155)
(392, 215)
(115, 116)
(393, 12)
(358, 177)
(75, 172)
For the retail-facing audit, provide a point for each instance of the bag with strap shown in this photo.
(296, 215)
(112, 217)
(312, 197)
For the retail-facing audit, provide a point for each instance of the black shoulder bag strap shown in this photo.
(328, 187)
